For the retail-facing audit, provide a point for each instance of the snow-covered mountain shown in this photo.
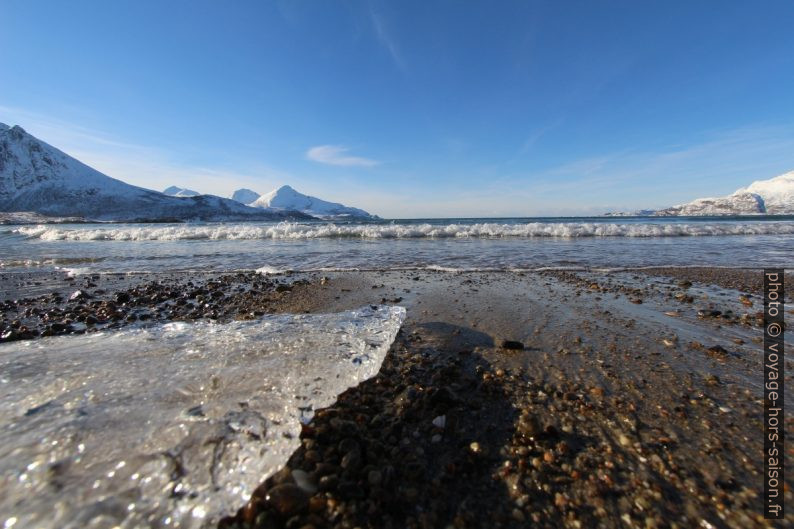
(245, 196)
(286, 198)
(36, 177)
(777, 193)
(774, 196)
(175, 191)
(739, 203)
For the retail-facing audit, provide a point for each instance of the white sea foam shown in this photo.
(287, 231)
(270, 270)
(173, 425)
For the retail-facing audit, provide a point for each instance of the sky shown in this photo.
(413, 108)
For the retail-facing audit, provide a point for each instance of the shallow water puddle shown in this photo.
(173, 425)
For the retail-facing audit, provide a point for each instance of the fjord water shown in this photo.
(460, 244)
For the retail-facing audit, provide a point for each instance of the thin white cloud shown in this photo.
(533, 138)
(335, 155)
(721, 163)
(386, 40)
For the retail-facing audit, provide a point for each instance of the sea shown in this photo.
(445, 244)
(174, 424)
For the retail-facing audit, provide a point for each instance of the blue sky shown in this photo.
(413, 108)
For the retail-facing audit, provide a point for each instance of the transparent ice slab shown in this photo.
(173, 425)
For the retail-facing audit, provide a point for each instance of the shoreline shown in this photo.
(626, 403)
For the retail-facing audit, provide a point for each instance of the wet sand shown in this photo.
(557, 399)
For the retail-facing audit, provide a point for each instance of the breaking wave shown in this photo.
(287, 231)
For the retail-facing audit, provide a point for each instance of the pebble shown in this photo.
(717, 350)
(328, 482)
(78, 295)
(287, 499)
(374, 477)
(304, 481)
(514, 345)
(528, 425)
(563, 478)
(317, 504)
(351, 460)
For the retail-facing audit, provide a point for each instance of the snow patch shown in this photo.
(286, 198)
(245, 196)
(175, 191)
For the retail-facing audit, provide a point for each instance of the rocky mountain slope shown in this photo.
(37, 177)
(774, 196)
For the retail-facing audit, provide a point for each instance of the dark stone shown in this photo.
(717, 350)
(351, 460)
(348, 445)
(529, 426)
(288, 499)
(78, 295)
(122, 297)
(328, 483)
(511, 344)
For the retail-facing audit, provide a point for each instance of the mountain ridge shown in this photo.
(39, 178)
(286, 198)
(175, 191)
(245, 196)
(774, 196)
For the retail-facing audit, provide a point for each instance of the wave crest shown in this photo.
(286, 231)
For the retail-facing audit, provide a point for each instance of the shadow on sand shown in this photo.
(415, 446)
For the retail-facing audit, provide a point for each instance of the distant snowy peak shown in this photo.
(36, 177)
(287, 199)
(245, 196)
(774, 196)
(735, 204)
(777, 193)
(175, 191)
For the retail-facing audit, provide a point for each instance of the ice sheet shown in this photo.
(173, 425)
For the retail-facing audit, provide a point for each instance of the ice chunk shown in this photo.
(173, 425)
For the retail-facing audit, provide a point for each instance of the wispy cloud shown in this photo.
(533, 138)
(718, 165)
(385, 39)
(335, 155)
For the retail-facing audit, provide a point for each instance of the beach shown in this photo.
(508, 399)
(396, 265)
